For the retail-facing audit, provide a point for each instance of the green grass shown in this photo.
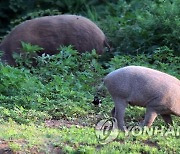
(72, 140)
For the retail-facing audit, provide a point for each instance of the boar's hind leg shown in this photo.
(113, 112)
(120, 106)
(150, 116)
(167, 118)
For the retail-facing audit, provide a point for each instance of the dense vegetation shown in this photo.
(132, 26)
(48, 108)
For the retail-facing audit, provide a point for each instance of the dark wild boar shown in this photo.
(52, 31)
(145, 87)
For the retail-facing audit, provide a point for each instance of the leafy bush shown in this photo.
(62, 84)
(10, 9)
(161, 59)
(142, 26)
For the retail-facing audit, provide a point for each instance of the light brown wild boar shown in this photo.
(145, 87)
(52, 31)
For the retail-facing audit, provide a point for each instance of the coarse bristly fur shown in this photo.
(145, 87)
(52, 31)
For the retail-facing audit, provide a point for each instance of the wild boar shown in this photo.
(52, 31)
(145, 87)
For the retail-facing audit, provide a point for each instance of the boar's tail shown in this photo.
(106, 44)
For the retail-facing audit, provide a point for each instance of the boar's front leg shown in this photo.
(120, 106)
(150, 116)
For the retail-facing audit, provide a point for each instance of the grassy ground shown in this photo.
(48, 109)
(64, 136)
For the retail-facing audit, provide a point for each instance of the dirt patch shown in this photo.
(4, 148)
(151, 144)
(88, 121)
(62, 123)
(52, 150)
(56, 150)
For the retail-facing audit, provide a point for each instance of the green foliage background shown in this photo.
(132, 26)
(62, 86)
